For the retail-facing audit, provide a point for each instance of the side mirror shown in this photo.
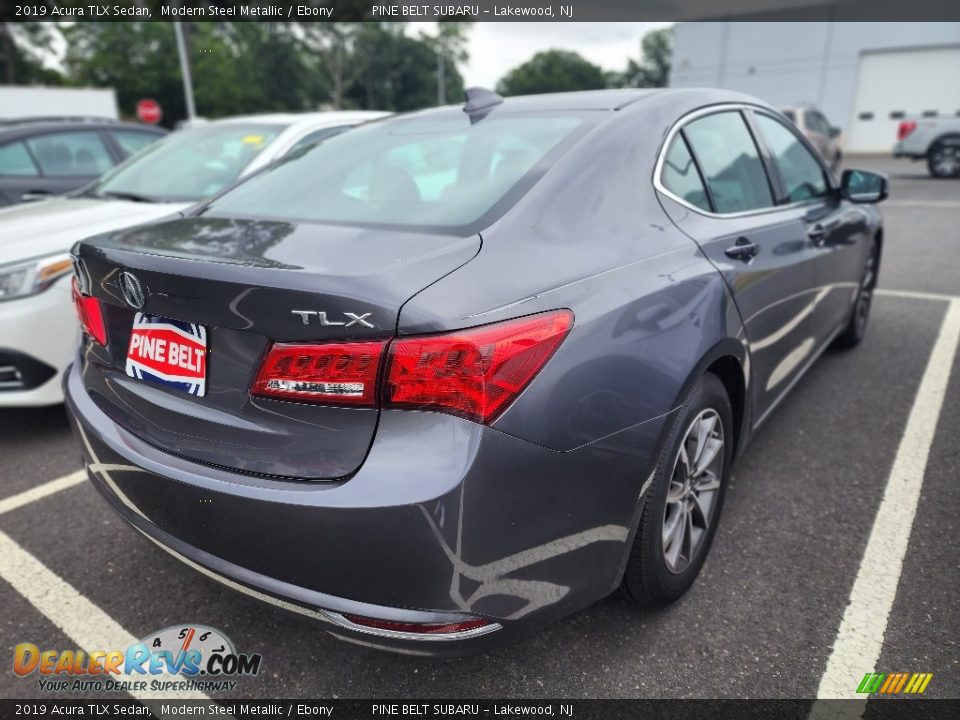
(835, 132)
(863, 186)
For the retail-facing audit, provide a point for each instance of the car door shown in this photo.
(836, 231)
(18, 172)
(719, 192)
(67, 160)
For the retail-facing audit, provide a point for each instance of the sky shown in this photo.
(496, 47)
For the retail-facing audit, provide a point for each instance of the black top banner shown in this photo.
(477, 10)
(917, 709)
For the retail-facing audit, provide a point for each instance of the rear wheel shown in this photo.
(943, 160)
(857, 327)
(683, 504)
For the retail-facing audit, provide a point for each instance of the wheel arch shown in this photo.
(729, 361)
(951, 135)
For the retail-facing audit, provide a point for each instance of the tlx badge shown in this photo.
(322, 319)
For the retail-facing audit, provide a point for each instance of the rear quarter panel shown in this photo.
(591, 236)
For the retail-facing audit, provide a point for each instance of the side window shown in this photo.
(730, 162)
(816, 122)
(316, 137)
(70, 154)
(15, 160)
(800, 172)
(680, 176)
(132, 142)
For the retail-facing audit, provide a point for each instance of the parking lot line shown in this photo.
(82, 621)
(860, 636)
(914, 295)
(41, 491)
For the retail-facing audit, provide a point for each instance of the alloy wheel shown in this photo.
(946, 161)
(692, 495)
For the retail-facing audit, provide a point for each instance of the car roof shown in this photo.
(29, 129)
(578, 100)
(333, 117)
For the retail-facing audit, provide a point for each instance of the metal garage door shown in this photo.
(891, 84)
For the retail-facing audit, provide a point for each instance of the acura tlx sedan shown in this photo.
(453, 375)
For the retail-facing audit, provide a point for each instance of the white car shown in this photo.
(38, 326)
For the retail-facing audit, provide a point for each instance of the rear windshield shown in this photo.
(437, 171)
(191, 164)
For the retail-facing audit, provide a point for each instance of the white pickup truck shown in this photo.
(934, 139)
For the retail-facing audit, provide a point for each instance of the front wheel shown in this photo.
(682, 508)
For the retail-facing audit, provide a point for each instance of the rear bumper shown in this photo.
(446, 520)
(907, 150)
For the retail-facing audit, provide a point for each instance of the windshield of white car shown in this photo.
(188, 165)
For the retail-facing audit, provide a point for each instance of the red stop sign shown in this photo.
(149, 111)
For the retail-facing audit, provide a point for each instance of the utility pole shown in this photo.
(441, 80)
(185, 71)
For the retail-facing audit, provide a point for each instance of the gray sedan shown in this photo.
(454, 375)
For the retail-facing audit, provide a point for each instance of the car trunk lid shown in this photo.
(248, 284)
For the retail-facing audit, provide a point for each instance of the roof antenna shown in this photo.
(479, 102)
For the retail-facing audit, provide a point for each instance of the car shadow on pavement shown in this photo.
(35, 424)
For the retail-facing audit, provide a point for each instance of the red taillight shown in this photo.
(418, 628)
(91, 315)
(474, 373)
(332, 373)
(906, 127)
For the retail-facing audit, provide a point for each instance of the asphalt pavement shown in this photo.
(761, 621)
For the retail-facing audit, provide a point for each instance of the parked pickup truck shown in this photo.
(934, 139)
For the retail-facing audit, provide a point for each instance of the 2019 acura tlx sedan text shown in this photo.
(453, 375)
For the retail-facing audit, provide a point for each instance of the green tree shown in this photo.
(450, 47)
(653, 70)
(237, 68)
(393, 71)
(22, 46)
(552, 71)
(137, 59)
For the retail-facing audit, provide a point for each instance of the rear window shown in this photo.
(433, 171)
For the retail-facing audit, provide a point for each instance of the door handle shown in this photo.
(34, 195)
(817, 234)
(743, 249)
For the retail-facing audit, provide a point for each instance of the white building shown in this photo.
(865, 76)
(17, 101)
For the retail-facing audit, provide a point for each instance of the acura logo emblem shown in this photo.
(131, 289)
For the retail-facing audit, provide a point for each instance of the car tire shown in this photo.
(651, 578)
(856, 328)
(943, 160)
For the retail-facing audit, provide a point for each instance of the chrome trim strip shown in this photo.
(711, 110)
(338, 619)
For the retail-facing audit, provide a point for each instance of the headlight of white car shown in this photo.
(32, 276)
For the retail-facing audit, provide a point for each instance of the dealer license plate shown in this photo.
(169, 353)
